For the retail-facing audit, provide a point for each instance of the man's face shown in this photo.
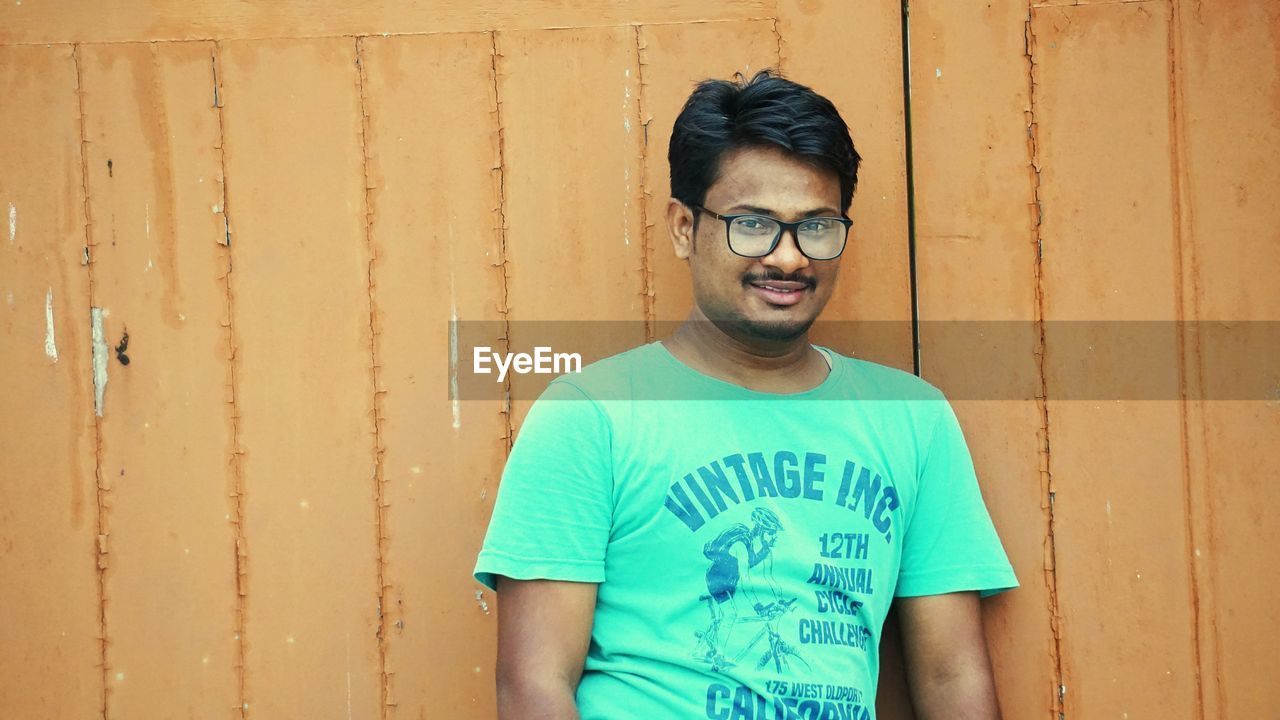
(772, 298)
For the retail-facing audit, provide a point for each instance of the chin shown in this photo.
(771, 330)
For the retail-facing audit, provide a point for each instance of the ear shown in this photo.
(680, 228)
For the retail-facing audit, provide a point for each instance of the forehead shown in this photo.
(768, 177)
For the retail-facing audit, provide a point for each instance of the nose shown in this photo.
(786, 256)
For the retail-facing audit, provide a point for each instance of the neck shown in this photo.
(784, 366)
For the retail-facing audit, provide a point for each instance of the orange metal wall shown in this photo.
(263, 504)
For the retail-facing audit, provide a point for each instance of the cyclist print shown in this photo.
(741, 575)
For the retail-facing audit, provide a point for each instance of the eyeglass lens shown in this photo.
(819, 238)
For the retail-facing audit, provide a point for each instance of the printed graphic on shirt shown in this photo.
(756, 622)
(737, 551)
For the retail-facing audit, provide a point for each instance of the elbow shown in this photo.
(530, 696)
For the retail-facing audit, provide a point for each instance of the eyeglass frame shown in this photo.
(783, 226)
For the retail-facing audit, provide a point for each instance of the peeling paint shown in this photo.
(50, 347)
(13, 222)
(626, 171)
(99, 359)
(484, 604)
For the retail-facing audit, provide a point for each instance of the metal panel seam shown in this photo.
(379, 475)
(237, 494)
(1184, 259)
(646, 248)
(1058, 704)
(499, 176)
(101, 486)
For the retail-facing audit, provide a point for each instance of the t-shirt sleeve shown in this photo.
(554, 509)
(950, 544)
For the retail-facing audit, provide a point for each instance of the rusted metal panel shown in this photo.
(363, 213)
(155, 194)
(434, 178)
(301, 311)
(150, 20)
(977, 272)
(852, 53)
(50, 648)
(1108, 241)
(673, 59)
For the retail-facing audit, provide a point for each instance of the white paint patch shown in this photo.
(149, 265)
(147, 215)
(481, 601)
(626, 205)
(99, 359)
(937, 72)
(9, 297)
(626, 104)
(13, 222)
(455, 404)
(348, 676)
(453, 368)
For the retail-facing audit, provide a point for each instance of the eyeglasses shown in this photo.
(753, 236)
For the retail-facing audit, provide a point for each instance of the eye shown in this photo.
(751, 223)
(817, 225)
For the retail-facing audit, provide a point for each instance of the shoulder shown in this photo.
(610, 378)
(874, 381)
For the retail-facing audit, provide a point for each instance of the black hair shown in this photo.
(766, 111)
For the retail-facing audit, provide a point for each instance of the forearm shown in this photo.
(536, 700)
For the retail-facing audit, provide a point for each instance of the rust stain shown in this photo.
(500, 182)
(103, 485)
(375, 370)
(1181, 260)
(159, 136)
(1058, 693)
(239, 545)
(646, 225)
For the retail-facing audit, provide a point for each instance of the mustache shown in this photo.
(750, 278)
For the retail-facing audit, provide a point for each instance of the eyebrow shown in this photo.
(816, 212)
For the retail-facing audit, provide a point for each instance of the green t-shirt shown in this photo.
(747, 545)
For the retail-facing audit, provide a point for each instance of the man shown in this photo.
(625, 477)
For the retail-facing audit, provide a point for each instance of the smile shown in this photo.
(780, 292)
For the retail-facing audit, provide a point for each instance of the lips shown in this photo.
(779, 292)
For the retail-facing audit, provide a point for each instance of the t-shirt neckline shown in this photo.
(828, 383)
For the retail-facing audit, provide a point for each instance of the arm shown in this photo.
(544, 629)
(948, 669)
